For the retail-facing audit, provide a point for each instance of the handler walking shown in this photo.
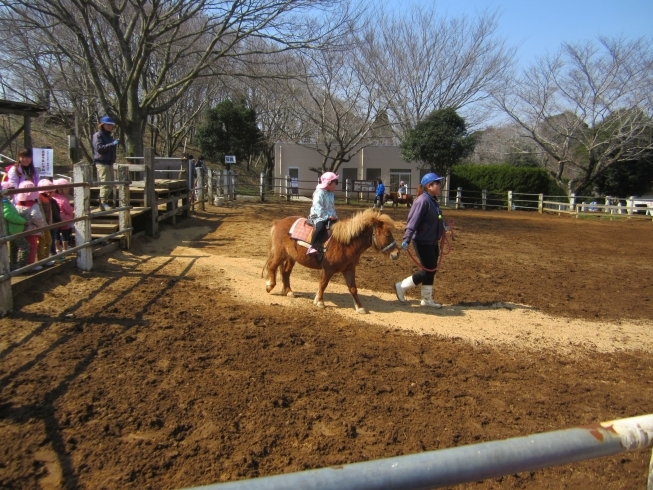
(424, 227)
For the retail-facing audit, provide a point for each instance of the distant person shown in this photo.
(14, 224)
(424, 227)
(104, 156)
(323, 210)
(380, 194)
(402, 191)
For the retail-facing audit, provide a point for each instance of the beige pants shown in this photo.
(105, 174)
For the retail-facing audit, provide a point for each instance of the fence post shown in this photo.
(347, 191)
(151, 225)
(483, 199)
(200, 188)
(6, 296)
(209, 186)
(540, 203)
(608, 202)
(288, 188)
(83, 172)
(631, 205)
(572, 201)
(124, 217)
(509, 200)
(459, 197)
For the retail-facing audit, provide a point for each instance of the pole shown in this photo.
(475, 462)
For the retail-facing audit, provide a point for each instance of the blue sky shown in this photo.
(539, 26)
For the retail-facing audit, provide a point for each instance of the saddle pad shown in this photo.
(301, 231)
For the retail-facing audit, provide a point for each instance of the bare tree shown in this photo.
(424, 63)
(587, 107)
(337, 103)
(130, 49)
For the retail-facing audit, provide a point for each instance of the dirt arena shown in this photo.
(168, 366)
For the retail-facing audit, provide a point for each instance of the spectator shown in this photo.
(23, 170)
(380, 195)
(28, 207)
(14, 224)
(66, 212)
(104, 156)
(45, 240)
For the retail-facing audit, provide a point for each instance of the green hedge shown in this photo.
(502, 178)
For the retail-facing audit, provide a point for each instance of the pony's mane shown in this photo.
(346, 230)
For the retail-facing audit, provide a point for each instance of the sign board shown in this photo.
(43, 159)
(230, 159)
(364, 186)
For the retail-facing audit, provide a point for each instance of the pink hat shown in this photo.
(61, 182)
(27, 196)
(43, 183)
(7, 185)
(326, 179)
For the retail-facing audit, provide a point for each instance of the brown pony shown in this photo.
(350, 239)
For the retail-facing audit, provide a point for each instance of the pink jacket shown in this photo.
(65, 209)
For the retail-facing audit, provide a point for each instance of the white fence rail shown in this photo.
(445, 467)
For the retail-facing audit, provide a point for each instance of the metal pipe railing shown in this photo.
(445, 467)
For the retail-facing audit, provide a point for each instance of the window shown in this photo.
(293, 173)
(373, 174)
(348, 173)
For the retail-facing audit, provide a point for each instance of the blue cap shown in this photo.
(107, 120)
(430, 177)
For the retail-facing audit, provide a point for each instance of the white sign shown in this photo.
(43, 159)
(230, 159)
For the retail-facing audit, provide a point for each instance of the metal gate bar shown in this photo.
(445, 467)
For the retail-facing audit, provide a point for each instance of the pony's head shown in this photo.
(381, 225)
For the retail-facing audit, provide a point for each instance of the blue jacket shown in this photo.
(424, 224)
(380, 190)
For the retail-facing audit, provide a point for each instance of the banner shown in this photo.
(43, 159)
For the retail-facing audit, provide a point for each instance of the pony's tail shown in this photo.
(270, 250)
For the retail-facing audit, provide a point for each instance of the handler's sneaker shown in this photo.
(312, 251)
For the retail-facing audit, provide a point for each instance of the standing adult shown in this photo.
(23, 170)
(424, 228)
(380, 194)
(104, 156)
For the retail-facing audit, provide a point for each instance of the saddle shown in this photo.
(302, 231)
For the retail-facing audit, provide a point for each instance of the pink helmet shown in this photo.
(326, 179)
(43, 183)
(61, 182)
(28, 195)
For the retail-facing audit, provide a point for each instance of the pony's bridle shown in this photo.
(384, 249)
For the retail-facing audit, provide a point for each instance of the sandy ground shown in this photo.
(169, 366)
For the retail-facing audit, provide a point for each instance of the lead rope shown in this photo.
(445, 248)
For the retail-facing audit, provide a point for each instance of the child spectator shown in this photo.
(28, 207)
(45, 240)
(14, 223)
(66, 212)
(23, 170)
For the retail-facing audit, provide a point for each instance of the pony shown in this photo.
(349, 239)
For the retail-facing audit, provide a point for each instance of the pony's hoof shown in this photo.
(362, 311)
(269, 287)
(291, 294)
(320, 305)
